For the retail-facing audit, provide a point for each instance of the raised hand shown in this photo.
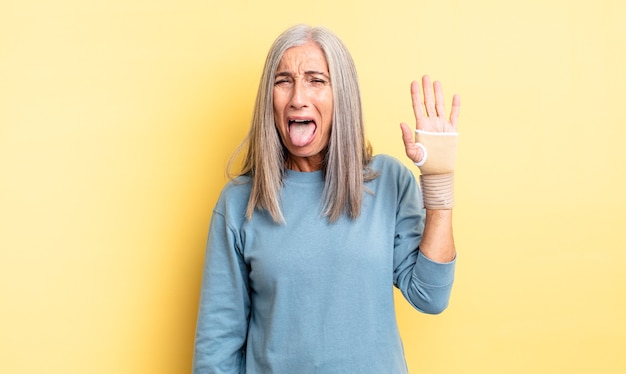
(430, 115)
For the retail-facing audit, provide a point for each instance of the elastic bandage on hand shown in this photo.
(437, 167)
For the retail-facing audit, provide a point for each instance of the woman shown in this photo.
(306, 243)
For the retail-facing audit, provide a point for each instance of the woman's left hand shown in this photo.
(429, 115)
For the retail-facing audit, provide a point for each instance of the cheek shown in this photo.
(277, 107)
(323, 100)
(328, 106)
(280, 101)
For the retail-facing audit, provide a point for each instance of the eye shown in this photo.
(318, 81)
(282, 82)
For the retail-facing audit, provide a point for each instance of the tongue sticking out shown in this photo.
(301, 133)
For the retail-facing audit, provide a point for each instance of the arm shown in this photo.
(438, 241)
(425, 276)
(424, 279)
(224, 304)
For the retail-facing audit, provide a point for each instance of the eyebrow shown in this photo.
(308, 72)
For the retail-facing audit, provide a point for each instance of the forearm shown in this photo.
(224, 306)
(438, 240)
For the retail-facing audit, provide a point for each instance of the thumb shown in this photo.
(408, 136)
(413, 150)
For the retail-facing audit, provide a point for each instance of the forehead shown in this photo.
(305, 57)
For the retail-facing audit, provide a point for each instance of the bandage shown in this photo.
(437, 191)
(437, 167)
(439, 149)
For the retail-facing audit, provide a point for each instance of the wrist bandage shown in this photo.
(438, 191)
(437, 167)
(439, 151)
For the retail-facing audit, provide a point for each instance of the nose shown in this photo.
(299, 95)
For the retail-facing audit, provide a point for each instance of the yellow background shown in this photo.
(117, 118)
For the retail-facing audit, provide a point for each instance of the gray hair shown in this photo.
(348, 153)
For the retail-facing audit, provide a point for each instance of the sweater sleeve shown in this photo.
(424, 283)
(224, 304)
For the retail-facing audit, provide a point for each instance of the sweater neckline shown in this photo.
(304, 176)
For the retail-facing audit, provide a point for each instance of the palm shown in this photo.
(429, 114)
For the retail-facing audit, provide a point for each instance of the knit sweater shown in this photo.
(310, 296)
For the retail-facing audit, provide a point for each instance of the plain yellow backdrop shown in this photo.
(117, 118)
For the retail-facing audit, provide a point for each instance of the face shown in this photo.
(303, 105)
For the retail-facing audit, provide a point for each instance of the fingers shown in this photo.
(429, 108)
(439, 100)
(456, 108)
(416, 97)
(434, 100)
(429, 98)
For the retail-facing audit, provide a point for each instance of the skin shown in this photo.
(438, 240)
(302, 90)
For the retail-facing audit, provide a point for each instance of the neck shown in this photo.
(305, 164)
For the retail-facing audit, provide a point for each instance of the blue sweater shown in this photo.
(310, 296)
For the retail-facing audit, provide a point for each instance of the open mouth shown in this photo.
(301, 131)
(300, 122)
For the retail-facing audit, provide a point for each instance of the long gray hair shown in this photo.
(348, 153)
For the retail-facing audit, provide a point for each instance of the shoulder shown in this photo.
(383, 159)
(396, 184)
(234, 196)
(392, 175)
(389, 166)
